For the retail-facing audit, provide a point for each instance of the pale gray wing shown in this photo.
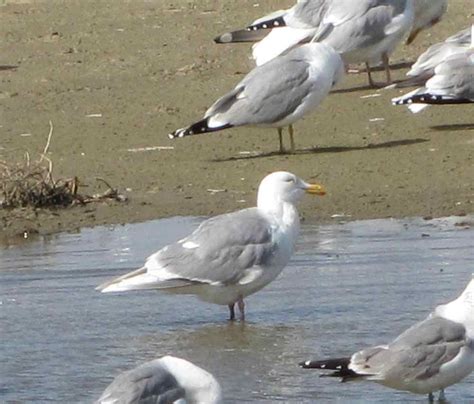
(461, 37)
(149, 383)
(454, 77)
(268, 93)
(418, 353)
(362, 29)
(306, 14)
(220, 250)
(424, 66)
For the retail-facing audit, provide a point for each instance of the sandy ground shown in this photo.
(115, 77)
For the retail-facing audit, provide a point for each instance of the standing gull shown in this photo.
(430, 356)
(427, 14)
(230, 256)
(452, 83)
(165, 380)
(366, 31)
(363, 31)
(276, 94)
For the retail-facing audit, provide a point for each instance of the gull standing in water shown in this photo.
(230, 256)
(427, 14)
(452, 83)
(363, 31)
(276, 94)
(165, 380)
(428, 357)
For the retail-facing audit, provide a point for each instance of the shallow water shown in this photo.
(348, 286)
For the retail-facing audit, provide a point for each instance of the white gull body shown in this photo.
(230, 256)
(165, 380)
(428, 357)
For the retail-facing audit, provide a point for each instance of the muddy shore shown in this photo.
(115, 77)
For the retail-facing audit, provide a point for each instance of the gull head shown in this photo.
(282, 186)
(200, 385)
(461, 310)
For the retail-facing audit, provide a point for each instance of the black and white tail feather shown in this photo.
(340, 366)
(197, 129)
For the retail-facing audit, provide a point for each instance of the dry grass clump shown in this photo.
(31, 184)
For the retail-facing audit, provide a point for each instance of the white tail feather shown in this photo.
(140, 280)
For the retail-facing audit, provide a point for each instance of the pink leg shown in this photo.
(386, 64)
(232, 312)
(369, 75)
(241, 305)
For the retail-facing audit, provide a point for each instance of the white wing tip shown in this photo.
(415, 108)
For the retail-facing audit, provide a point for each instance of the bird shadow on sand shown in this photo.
(453, 127)
(8, 67)
(331, 149)
(393, 66)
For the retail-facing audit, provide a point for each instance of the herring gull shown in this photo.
(230, 256)
(276, 94)
(428, 357)
(165, 380)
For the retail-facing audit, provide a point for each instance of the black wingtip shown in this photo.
(268, 24)
(434, 100)
(338, 364)
(196, 129)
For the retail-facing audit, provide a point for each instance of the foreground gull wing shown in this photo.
(222, 250)
(163, 381)
(148, 383)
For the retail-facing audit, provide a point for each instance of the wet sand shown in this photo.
(115, 77)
